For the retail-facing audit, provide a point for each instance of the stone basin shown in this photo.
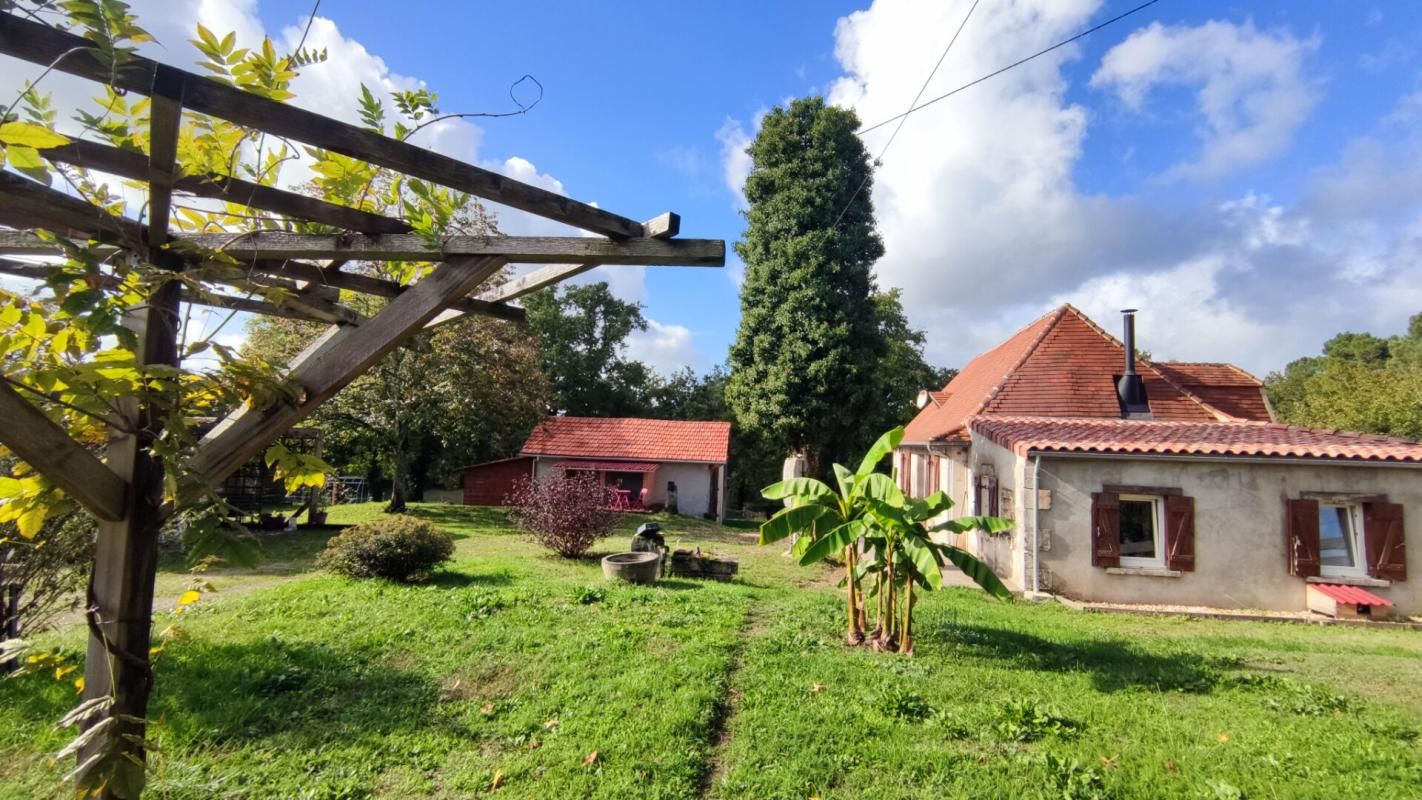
(632, 567)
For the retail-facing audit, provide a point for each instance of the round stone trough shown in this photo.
(632, 567)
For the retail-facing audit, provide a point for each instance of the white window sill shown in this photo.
(1354, 580)
(1144, 572)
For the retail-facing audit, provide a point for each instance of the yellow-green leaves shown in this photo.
(24, 501)
(297, 470)
(28, 134)
(22, 142)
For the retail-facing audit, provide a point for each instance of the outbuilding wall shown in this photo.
(693, 483)
(489, 484)
(1240, 542)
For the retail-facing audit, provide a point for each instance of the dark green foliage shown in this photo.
(809, 336)
(901, 703)
(1028, 721)
(399, 548)
(1361, 383)
(581, 331)
(902, 372)
(50, 569)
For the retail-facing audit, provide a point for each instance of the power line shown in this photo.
(904, 117)
(1013, 65)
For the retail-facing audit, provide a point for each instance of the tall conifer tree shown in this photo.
(804, 357)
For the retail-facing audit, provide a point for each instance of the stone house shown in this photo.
(1132, 481)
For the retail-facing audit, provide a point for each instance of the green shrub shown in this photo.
(399, 548)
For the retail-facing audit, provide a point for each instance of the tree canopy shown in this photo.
(1361, 382)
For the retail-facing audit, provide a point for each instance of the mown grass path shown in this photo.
(519, 675)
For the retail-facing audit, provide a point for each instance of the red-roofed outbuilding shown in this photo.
(645, 463)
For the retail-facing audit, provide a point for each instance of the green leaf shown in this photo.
(832, 542)
(790, 520)
(27, 160)
(978, 523)
(981, 573)
(845, 479)
(931, 506)
(920, 553)
(799, 487)
(886, 445)
(28, 134)
(878, 486)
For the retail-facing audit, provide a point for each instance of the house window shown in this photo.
(1141, 539)
(1340, 540)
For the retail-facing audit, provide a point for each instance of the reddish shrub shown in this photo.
(564, 514)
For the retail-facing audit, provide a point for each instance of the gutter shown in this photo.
(1318, 462)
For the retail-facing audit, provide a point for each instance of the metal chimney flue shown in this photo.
(1129, 318)
(1130, 389)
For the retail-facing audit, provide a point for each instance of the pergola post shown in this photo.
(120, 599)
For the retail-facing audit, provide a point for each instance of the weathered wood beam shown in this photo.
(289, 310)
(39, 205)
(266, 245)
(42, 444)
(41, 44)
(516, 288)
(132, 165)
(663, 227)
(334, 360)
(377, 286)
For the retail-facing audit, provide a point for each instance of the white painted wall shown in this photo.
(693, 483)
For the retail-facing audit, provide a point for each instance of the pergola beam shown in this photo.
(42, 44)
(334, 360)
(260, 245)
(516, 288)
(132, 165)
(42, 444)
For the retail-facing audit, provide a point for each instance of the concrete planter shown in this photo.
(632, 567)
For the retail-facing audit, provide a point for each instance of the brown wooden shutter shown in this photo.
(1105, 529)
(1180, 533)
(1301, 528)
(993, 505)
(1382, 541)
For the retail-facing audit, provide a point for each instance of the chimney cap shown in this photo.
(1129, 310)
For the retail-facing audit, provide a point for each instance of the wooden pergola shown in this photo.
(125, 490)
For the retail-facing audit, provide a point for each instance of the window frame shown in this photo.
(1359, 569)
(1157, 504)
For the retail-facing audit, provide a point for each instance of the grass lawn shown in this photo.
(516, 668)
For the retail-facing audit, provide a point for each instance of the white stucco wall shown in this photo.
(693, 483)
(1240, 543)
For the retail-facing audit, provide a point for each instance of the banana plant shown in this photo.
(880, 533)
(829, 521)
(912, 558)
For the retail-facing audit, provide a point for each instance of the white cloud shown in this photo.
(735, 161)
(1251, 90)
(985, 227)
(665, 348)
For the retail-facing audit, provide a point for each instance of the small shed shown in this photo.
(674, 464)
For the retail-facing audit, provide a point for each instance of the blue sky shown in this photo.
(1245, 173)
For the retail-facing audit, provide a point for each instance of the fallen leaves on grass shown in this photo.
(498, 780)
(550, 724)
(590, 759)
(816, 688)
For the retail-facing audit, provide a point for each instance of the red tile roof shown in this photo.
(1224, 386)
(1062, 365)
(640, 439)
(1350, 594)
(1023, 434)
